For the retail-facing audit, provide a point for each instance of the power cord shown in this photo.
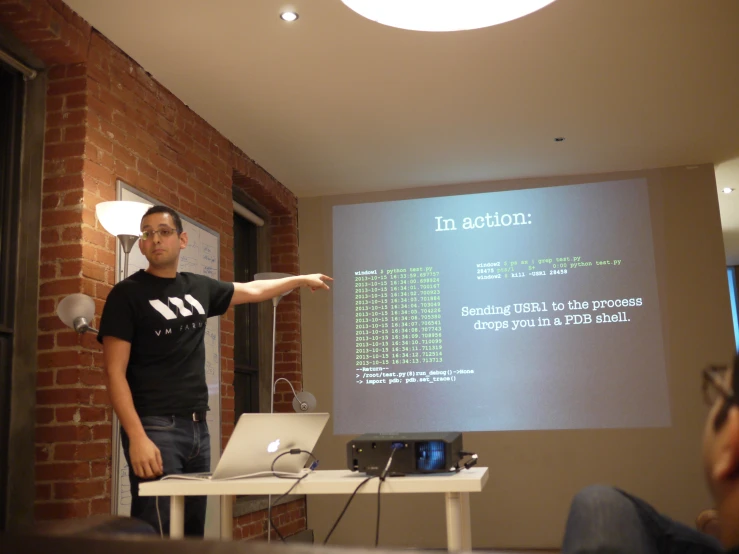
(346, 507)
(312, 466)
(159, 518)
(467, 465)
(293, 451)
(383, 476)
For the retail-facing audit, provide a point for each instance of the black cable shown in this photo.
(271, 522)
(377, 525)
(383, 476)
(293, 451)
(346, 507)
(297, 480)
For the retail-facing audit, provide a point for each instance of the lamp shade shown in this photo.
(271, 275)
(274, 275)
(75, 306)
(444, 15)
(121, 217)
(304, 402)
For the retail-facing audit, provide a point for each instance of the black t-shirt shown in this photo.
(164, 320)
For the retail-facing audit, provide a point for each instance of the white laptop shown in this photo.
(258, 439)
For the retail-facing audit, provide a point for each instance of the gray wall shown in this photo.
(533, 475)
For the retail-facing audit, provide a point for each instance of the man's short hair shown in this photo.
(159, 209)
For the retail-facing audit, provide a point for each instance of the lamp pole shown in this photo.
(127, 242)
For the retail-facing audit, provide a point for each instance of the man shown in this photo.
(604, 519)
(152, 331)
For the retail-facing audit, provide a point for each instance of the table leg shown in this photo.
(177, 517)
(464, 501)
(458, 531)
(227, 518)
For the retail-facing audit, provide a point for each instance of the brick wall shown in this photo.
(107, 119)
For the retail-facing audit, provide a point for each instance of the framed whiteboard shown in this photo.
(201, 256)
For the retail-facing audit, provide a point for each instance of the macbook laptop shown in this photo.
(258, 439)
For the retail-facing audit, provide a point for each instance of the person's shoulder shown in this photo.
(128, 285)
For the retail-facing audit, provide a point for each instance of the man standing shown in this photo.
(152, 331)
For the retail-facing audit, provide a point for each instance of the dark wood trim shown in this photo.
(21, 493)
(265, 308)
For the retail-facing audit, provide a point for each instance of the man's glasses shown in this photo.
(163, 232)
(714, 388)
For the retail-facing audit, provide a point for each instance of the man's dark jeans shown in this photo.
(185, 448)
(604, 520)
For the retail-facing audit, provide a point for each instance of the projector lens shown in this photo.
(430, 455)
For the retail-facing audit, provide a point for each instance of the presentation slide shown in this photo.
(517, 310)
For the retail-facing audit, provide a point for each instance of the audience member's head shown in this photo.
(721, 446)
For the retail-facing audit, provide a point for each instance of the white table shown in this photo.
(456, 489)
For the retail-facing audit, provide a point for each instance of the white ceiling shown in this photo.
(335, 103)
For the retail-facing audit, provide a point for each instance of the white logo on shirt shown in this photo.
(168, 313)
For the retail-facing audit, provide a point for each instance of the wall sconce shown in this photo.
(77, 311)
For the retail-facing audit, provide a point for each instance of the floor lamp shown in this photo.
(275, 302)
(303, 401)
(122, 219)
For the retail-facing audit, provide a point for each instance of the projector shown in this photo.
(413, 453)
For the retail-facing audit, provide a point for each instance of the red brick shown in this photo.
(99, 506)
(102, 432)
(93, 271)
(69, 376)
(67, 86)
(65, 150)
(64, 358)
(66, 252)
(51, 397)
(62, 471)
(43, 492)
(75, 101)
(50, 323)
(99, 140)
(75, 134)
(72, 234)
(63, 183)
(54, 104)
(81, 452)
(100, 398)
(42, 453)
(71, 268)
(49, 236)
(65, 339)
(93, 415)
(52, 218)
(44, 511)
(62, 433)
(75, 491)
(61, 287)
(67, 414)
(45, 378)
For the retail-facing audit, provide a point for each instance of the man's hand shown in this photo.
(317, 281)
(145, 458)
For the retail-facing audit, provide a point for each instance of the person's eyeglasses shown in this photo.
(714, 388)
(163, 232)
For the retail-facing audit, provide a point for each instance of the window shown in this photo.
(733, 294)
(246, 333)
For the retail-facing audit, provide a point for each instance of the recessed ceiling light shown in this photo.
(727, 190)
(288, 16)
